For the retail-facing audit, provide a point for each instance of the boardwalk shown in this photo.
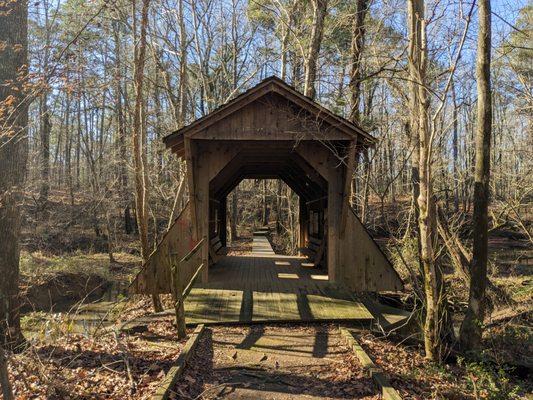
(262, 286)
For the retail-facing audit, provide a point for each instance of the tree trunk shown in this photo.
(139, 133)
(7, 391)
(45, 128)
(177, 199)
(412, 125)
(13, 160)
(264, 216)
(121, 132)
(45, 125)
(366, 184)
(472, 326)
(278, 206)
(286, 32)
(319, 14)
(358, 40)
(182, 117)
(68, 152)
(455, 151)
(433, 285)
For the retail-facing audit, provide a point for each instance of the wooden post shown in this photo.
(350, 163)
(177, 297)
(223, 218)
(191, 177)
(304, 222)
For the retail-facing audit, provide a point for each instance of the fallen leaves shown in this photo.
(107, 367)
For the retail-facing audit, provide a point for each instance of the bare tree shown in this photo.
(311, 61)
(45, 125)
(471, 328)
(427, 223)
(358, 40)
(121, 129)
(13, 160)
(183, 67)
(139, 138)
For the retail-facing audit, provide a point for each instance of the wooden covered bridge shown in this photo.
(271, 132)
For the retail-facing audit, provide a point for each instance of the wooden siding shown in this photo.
(273, 87)
(271, 117)
(363, 266)
(155, 276)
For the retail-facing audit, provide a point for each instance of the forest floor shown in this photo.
(313, 362)
(103, 364)
(276, 363)
(73, 297)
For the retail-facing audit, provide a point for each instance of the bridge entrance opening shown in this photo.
(270, 191)
(268, 247)
(263, 206)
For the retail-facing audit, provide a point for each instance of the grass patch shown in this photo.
(520, 288)
(37, 264)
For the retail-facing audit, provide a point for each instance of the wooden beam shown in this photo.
(374, 371)
(223, 219)
(191, 176)
(347, 190)
(164, 390)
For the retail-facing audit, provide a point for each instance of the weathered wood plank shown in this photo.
(164, 390)
(374, 371)
(155, 275)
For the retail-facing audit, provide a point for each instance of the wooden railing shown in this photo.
(183, 279)
(155, 275)
(174, 266)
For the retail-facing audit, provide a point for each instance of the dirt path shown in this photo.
(277, 362)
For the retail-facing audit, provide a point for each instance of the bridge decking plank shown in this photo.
(263, 286)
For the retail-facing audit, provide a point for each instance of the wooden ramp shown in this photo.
(265, 287)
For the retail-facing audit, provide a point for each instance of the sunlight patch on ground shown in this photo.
(288, 276)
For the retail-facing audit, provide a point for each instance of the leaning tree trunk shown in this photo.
(13, 158)
(472, 326)
(319, 14)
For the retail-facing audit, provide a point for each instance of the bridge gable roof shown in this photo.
(267, 111)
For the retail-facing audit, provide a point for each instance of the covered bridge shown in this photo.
(273, 132)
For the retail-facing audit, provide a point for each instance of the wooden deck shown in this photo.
(262, 286)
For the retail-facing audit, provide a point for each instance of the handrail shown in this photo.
(179, 295)
(188, 288)
(151, 277)
(188, 256)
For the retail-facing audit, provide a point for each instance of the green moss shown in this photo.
(37, 264)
